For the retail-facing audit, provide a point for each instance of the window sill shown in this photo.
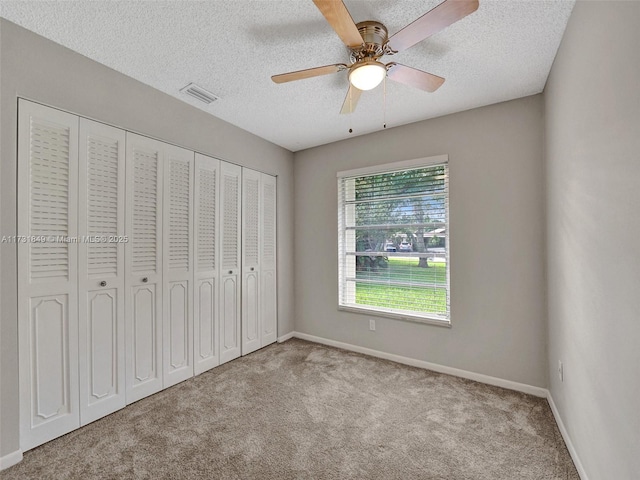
(439, 322)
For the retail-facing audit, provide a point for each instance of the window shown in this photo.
(394, 240)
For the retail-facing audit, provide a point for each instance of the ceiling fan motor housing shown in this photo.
(375, 36)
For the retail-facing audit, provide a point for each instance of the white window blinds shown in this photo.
(393, 241)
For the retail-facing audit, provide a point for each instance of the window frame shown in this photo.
(425, 318)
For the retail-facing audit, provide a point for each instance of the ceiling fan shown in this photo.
(368, 41)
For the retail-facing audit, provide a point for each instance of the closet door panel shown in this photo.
(178, 312)
(268, 286)
(251, 326)
(102, 380)
(230, 210)
(50, 348)
(269, 307)
(178, 265)
(206, 206)
(143, 253)
(101, 275)
(206, 348)
(145, 333)
(251, 219)
(230, 306)
(47, 273)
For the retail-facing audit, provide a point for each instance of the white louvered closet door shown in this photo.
(251, 239)
(101, 275)
(230, 198)
(143, 256)
(268, 279)
(47, 273)
(178, 265)
(206, 324)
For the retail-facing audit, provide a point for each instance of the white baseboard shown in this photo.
(10, 459)
(567, 438)
(478, 377)
(286, 337)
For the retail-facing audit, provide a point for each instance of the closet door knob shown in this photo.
(103, 283)
(252, 269)
(145, 279)
(230, 272)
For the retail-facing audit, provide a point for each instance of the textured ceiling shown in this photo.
(502, 51)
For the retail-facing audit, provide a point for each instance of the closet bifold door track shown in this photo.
(101, 192)
(47, 273)
(144, 257)
(206, 259)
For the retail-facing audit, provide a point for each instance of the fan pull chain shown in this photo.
(384, 102)
(350, 106)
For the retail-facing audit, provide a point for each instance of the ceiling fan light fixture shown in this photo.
(367, 75)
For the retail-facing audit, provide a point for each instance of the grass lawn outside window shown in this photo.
(428, 293)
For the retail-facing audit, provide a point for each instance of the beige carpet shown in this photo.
(306, 411)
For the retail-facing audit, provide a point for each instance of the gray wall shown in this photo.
(498, 307)
(2, 423)
(41, 70)
(592, 105)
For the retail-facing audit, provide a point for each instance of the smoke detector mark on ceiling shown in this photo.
(199, 93)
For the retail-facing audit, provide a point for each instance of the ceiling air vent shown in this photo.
(200, 93)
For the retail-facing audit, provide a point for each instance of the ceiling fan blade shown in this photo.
(308, 73)
(435, 20)
(414, 77)
(351, 100)
(339, 18)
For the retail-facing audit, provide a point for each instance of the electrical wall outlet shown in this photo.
(372, 325)
(560, 371)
